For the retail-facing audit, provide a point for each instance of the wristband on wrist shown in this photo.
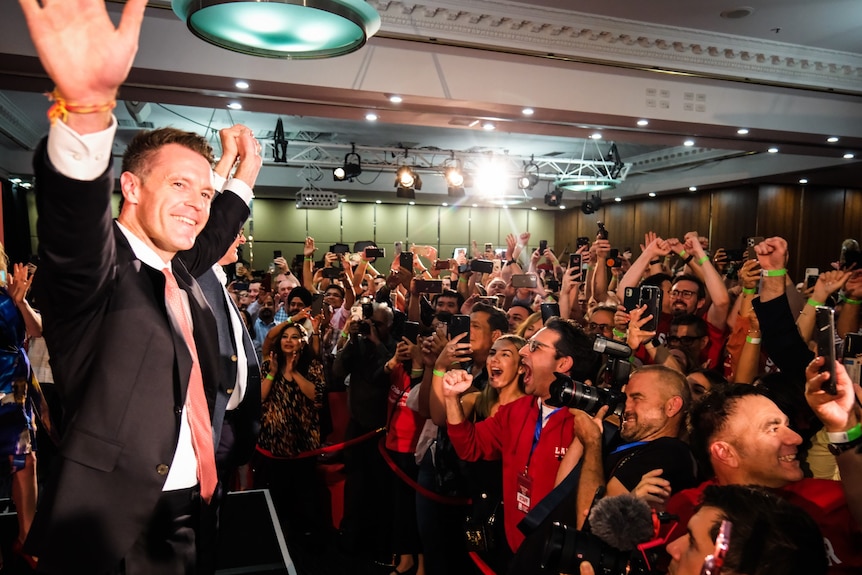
(749, 291)
(851, 434)
(773, 273)
(683, 253)
(688, 259)
(417, 371)
(439, 373)
(655, 261)
(269, 377)
(61, 109)
(343, 334)
(702, 260)
(813, 302)
(619, 334)
(309, 258)
(846, 299)
(754, 340)
(462, 279)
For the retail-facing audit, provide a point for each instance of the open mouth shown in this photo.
(790, 457)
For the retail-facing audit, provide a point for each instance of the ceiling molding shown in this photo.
(561, 33)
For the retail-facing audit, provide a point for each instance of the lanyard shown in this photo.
(538, 432)
(625, 446)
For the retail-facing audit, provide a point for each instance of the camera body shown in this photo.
(565, 392)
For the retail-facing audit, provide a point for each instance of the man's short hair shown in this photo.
(769, 536)
(701, 290)
(497, 319)
(607, 308)
(337, 288)
(657, 279)
(700, 327)
(709, 416)
(573, 342)
(673, 381)
(450, 293)
(146, 143)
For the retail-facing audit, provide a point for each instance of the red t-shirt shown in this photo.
(405, 425)
(822, 499)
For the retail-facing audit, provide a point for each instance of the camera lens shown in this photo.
(568, 393)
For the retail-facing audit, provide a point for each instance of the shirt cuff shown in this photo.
(240, 188)
(218, 182)
(83, 158)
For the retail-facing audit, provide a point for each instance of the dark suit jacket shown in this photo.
(120, 367)
(245, 419)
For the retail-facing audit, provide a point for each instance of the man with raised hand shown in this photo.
(132, 340)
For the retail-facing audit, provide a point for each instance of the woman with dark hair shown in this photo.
(292, 388)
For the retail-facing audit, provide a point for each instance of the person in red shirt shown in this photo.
(746, 440)
(529, 436)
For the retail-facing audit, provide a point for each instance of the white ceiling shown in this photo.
(791, 71)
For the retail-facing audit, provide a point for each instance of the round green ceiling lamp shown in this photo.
(289, 29)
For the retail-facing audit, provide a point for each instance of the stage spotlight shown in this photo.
(407, 182)
(591, 205)
(554, 198)
(352, 167)
(531, 176)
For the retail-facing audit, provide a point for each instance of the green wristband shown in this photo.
(851, 434)
(702, 260)
(619, 334)
(773, 273)
(749, 291)
(269, 377)
(439, 373)
(814, 302)
(682, 253)
(844, 298)
(749, 339)
(309, 258)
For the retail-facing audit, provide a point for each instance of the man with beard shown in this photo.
(652, 462)
(265, 321)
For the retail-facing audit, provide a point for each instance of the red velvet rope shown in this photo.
(426, 493)
(325, 449)
(480, 564)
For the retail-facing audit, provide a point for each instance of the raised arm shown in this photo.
(720, 307)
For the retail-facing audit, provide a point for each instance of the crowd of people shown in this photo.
(492, 400)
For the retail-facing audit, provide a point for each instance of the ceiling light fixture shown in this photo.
(371, 117)
(832, 139)
(592, 204)
(692, 188)
(742, 131)
(488, 126)
(554, 197)
(351, 168)
(234, 105)
(407, 182)
(289, 29)
(618, 199)
(528, 111)
(454, 175)
(241, 84)
(803, 181)
(849, 156)
(592, 175)
(688, 143)
(643, 123)
(651, 194)
(531, 175)
(396, 99)
(772, 150)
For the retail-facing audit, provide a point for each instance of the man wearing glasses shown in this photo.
(688, 298)
(529, 437)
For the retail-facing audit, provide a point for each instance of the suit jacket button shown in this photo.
(229, 391)
(178, 409)
(162, 469)
(233, 358)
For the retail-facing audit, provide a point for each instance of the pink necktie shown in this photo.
(196, 400)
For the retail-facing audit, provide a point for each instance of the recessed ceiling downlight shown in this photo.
(737, 13)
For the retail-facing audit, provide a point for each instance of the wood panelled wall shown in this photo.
(814, 221)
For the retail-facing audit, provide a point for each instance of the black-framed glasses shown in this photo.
(535, 344)
(599, 326)
(683, 293)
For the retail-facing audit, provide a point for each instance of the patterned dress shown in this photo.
(17, 427)
(290, 421)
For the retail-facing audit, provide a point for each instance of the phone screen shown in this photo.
(411, 330)
(824, 335)
(406, 260)
(651, 296)
(458, 324)
(550, 310)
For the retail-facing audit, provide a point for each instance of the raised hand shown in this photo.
(456, 382)
(772, 253)
(308, 248)
(653, 488)
(86, 56)
(18, 283)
